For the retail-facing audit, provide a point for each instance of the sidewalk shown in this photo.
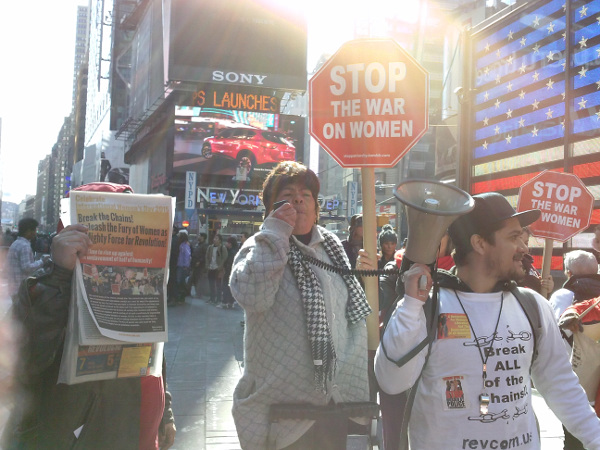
(205, 359)
(204, 362)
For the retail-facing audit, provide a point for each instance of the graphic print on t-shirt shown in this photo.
(453, 326)
(483, 341)
(455, 396)
(523, 336)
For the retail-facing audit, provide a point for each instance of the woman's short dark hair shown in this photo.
(284, 174)
(387, 235)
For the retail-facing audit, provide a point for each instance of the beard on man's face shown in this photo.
(516, 271)
(520, 274)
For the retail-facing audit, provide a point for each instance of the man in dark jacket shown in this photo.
(354, 242)
(232, 249)
(172, 282)
(216, 255)
(198, 263)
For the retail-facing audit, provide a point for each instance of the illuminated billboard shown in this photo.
(233, 97)
(240, 42)
(233, 143)
(535, 101)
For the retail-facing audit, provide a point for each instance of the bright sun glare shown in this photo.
(408, 10)
(333, 22)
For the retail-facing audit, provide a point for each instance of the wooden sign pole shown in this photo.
(546, 262)
(370, 245)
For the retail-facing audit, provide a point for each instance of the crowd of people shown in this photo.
(200, 263)
(456, 364)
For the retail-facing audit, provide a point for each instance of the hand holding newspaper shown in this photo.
(118, 315)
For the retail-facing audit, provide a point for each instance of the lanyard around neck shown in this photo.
(481, 353)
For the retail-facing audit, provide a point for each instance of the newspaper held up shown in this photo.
(123, 278)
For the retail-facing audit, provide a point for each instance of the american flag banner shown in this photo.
(526, 115)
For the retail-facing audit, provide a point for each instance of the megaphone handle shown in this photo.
(406, 263)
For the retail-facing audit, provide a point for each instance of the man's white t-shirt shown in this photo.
(446, 412)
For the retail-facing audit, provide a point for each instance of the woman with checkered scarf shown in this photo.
(305, 335)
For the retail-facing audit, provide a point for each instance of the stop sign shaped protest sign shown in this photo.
(369, 103)
(564, 200)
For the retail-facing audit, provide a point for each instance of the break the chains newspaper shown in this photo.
(118, 314)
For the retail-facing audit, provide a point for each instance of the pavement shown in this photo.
(205, 360)
(204, 357)
(204, 363)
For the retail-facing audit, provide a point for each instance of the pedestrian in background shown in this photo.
(388, 240)
(20, 262)
(216, 255)
(306, 338)
(7, 238)
(583, 281)
(173, 257)
(198, 263)
(184, 261)
(354, 242)
(533, 278)
(232, 249)
(244, 237)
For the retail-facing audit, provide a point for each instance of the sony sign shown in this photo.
(238, 78)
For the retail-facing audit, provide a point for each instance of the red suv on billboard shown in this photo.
(260, 146)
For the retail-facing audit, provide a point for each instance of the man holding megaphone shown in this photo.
(472, 378)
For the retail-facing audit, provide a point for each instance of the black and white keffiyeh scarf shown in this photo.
(319, 333)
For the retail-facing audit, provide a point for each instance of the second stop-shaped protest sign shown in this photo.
(369, 103)
(564, 200)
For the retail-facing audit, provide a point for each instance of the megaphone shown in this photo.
(431, 207)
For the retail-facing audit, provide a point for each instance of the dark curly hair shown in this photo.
(26, 225)
(284, 174)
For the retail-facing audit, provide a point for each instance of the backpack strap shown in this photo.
(529, 304)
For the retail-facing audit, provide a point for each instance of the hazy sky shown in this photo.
(37, 39)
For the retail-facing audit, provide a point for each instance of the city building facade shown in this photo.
(204, 123)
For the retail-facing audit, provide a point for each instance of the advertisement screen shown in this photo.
(536, 99)
(237, 144)
(256, 43)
